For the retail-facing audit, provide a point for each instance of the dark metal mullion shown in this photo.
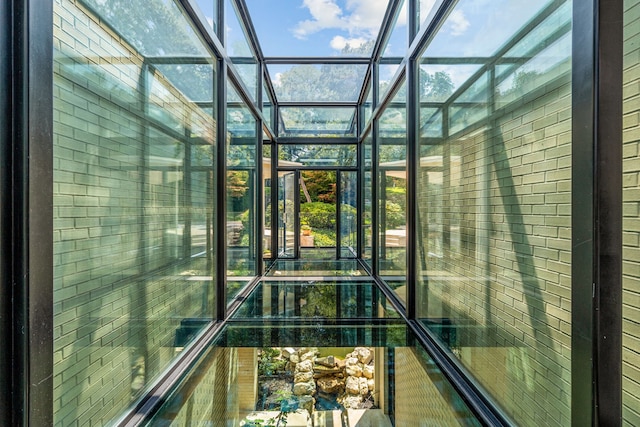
(327, 104)
(221, 200)
(388, 23)
(296, 215)
(274, 201)
(596, 297)
(319, 60)
(412, 164)
(375, 87)
(259, 179)
(27, 211)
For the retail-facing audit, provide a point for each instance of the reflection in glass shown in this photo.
(367, 195)
(241, 194)
(317, 155)
(287, 186)
(317, 121)
(494, 225)
(237, 45)
(348, 214)
(392, 195)
(249, 376)
(318, 83)
(133, 201)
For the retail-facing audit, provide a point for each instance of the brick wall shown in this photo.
(504, 278)
(631, 213)
(118, 209)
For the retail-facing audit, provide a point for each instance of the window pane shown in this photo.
(317, 121)
(316, 155)
(133, 201)
(494, 201)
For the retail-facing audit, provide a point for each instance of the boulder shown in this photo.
(352, 401)
(306, 403)
(323, 370)
(364, 388)
(328, 361)
(304, 389)
(306, 366)
(302, 377)
(364, 355)
(367, 371)
(310, 355)
(294, 358)
(352, 385)
(330, 385)
(354, 370)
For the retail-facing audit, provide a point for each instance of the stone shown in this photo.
(367, 371)
(340, 363)
(294, 358)
(352, 401)
(352, 385)
(354, 370)
(304, 389)
(364, 388)
(306, 403)
(319, 369)
(330, 385)
(328, 361)
(287, 352)
(364, 355)
(371, 384)
(302, 377)
(306, 366)
(310, 355)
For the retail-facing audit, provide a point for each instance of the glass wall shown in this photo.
(367, 197)
(242, 192)
(134, 144)
(494, 201)
(631, 212)
(392, 193)
(237, 45)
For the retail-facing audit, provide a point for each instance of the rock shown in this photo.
(340, 363)
(328, 361)
(330, 385)
(367, 371)
(306, 366)
(326, 371)
(294, 358)
(364, 388)
(352, 401)
(350, 361)
(354, 370)
(364, 355)
(371, 384)
(304, 389)
(287, 352)
(352, 385)
(306, 403)
(310, 355)
(303, 377)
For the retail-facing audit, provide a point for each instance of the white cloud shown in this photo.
(458, 22)
(277, 80)
(360, 18)
(339, 42)
(325, 14)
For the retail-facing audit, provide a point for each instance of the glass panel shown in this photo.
(394, 50)
(424, 9)
(321, 299)
(349, 214)
(317, 121)
(318, 202)
(494, 204)
(238, 49)
(317, 29)
(247, 378)
(392, 196)
(241, 194)
(318, 82)
(315, 268)
(209, 9)
(287, 187)
(316, 155)
(267, 106)
(367, 195)
(631, 212)
(368, 105)
(144, 26)
(267, 183)
(133, 202)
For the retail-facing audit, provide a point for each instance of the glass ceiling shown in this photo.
(317, 28)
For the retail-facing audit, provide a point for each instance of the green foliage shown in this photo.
(395, 215)
(268, 363)
(318, 215)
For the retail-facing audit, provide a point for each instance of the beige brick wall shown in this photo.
(505, 280)
(631, 214)
(420, 395)
(115, 219)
